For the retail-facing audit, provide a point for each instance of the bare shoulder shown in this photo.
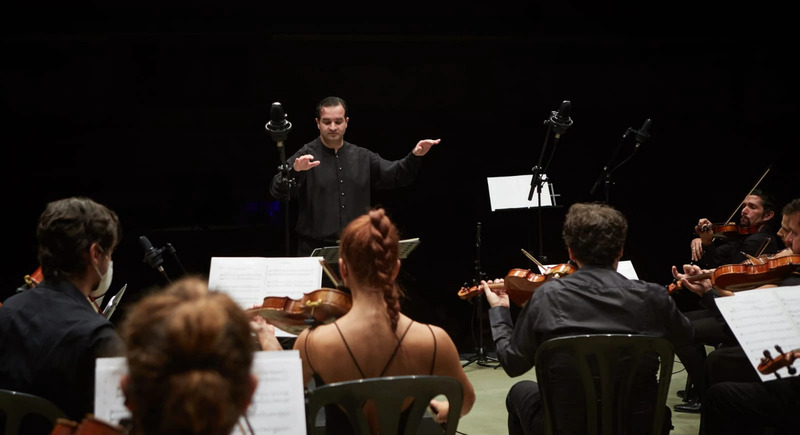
(422, 333)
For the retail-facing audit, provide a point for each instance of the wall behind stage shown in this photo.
(159, 112)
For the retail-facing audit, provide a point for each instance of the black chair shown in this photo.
(22, 407)
(388, 395)
(606, 366)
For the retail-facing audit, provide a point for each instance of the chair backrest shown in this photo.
(388, 394)
(608, 386)
(16, 406)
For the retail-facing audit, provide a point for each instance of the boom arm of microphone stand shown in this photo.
(606, 174)
(536, 179)
(174, 254)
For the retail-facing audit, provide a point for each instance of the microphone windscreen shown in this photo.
(563, 111)
(643, 134)
(144, 242)
(276, 114)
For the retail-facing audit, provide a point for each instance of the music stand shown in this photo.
(509, 192)
(331, 253)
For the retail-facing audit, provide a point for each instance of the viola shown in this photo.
(749, 274)
(771, 365)
(89, 426)
(521, 283)
(314, 308)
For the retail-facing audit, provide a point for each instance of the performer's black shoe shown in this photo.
(681, 394)
(692, 406)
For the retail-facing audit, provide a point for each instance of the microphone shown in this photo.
(560, 121)
(278, 127)
(478, 236)
(152, 256)
(643, 134)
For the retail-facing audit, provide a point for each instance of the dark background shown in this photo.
(158, 111)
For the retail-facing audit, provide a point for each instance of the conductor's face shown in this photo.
(332, 124)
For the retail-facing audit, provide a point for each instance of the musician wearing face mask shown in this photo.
(50, 335)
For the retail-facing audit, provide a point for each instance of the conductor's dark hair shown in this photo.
(331, 102)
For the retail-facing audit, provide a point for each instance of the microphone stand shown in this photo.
(279, 135)
(605, 175)
(287, 182)
(174, 254)
(538, 180)
(481, 357)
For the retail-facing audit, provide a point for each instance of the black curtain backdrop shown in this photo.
(158, 111)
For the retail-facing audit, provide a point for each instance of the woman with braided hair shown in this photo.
(374, 339)
(189, 355)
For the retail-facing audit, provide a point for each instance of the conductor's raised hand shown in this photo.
(304, 163)
(424, 146)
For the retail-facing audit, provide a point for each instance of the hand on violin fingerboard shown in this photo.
(495, 296)
(265, 333)
(694, 278)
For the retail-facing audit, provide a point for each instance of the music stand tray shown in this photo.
(331, 253)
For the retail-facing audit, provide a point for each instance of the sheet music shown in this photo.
(278, 405)
(625, 267)
(248, 280)
(763, 318)
(109, 402)
(512, 192)
(113, 302)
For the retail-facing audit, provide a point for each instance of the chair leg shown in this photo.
(687, 388)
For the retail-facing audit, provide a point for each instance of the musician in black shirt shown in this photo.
(333, 178)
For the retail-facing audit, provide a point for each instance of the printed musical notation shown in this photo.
(763, 318)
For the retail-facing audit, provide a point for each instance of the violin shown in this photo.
(730, 230)
(771, 365)
(35, 278)
(314, 308)
(750, 274)
(89, 426)
(521, 283)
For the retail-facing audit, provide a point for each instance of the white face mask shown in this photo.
(105, 280)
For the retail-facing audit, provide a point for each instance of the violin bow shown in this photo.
(748, 194)
(534, 260)
(764, 244)
(331, 274)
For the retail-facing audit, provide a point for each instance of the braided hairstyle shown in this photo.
(189, 354)
(370, 246)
